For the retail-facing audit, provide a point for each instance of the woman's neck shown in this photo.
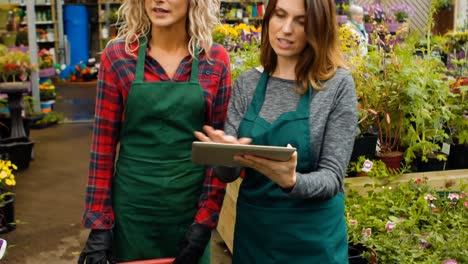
(285, 68)
(169, 39)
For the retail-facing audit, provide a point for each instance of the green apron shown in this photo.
(272, 227)
(156, 186)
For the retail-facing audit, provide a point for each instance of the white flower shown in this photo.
(367, 165)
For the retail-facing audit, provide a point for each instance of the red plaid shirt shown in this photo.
(116, 73)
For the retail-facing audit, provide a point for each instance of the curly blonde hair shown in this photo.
(203, 16)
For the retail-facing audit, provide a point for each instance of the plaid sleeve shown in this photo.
(213, 189)
(98, 212)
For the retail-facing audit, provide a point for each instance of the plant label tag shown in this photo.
(446, 148)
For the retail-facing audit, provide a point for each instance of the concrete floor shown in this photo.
(50, 193)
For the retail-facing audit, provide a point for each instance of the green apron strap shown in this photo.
(194, 75)
(140, 67)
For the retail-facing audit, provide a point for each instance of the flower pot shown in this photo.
(364, 146)
(48, 72)
(391, 159)
(47, 106)
(433, 164)
(458, 158)
(17, 150)
(393, 27)
(7, 214)
(355, 254)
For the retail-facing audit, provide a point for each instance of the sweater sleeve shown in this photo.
(337, 144)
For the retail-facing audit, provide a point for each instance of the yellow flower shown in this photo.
(3, 174)
(10, 182)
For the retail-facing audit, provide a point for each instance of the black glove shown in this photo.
(98, 248)
(193, 244)
(227, 174)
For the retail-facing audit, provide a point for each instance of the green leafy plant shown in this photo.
(410, 223)
(375, 169)
(51, 117)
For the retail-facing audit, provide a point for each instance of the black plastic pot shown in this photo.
(433, 164)
(17, 150)
(7, 214)
(458, 158)
(364, 146)
(355, 254)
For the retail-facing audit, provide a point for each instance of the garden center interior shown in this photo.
(411, 148)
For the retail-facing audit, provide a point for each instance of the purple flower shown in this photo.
(450, 261)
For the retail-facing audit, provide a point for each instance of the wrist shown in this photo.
(289, 183)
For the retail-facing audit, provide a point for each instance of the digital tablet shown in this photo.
(221, 154)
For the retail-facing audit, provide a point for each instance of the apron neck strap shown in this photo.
(194, 75)
(259, 96)
(140, 67)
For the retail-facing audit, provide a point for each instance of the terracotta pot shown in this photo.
(391, 159)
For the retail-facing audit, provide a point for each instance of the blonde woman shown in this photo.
(161, 79)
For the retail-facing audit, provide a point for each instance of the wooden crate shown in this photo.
(438, 179)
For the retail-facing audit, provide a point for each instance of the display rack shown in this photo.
(46, 23)
(107, 21)
(242, 11)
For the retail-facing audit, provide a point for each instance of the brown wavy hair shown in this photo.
(321, 57)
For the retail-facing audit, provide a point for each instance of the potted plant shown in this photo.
(410, 223)
(47, 90)
(15, 69)
(458, 125)
(401, 12)
(379, 81)
(428, 111)
(7, 198)
(375, 169)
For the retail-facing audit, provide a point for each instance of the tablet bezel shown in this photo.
(222, 154)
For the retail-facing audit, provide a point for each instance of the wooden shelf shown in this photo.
(53, 23)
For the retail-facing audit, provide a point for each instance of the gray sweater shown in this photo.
(333, 120)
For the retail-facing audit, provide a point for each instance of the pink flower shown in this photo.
(452, 196)
(367, 232)
(423, 243)
(429, 197)
(353, 222)
(462, 195)
(367, 166)
(450, 261)
(418, 180)
(389, 226)
(466, 204)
